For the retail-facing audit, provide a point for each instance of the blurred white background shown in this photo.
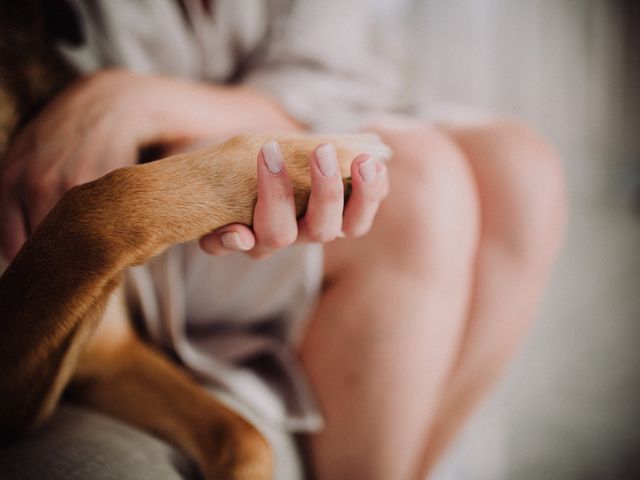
(570, 405)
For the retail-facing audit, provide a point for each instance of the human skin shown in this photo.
(420, 316)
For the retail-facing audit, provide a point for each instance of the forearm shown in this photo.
(217, 111)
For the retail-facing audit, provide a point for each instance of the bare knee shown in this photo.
(521, 187)
(430, 219)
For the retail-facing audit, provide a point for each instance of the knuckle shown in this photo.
(370, 194)
(322, 235)
(331, 195)
(259, 254)
(283, 195)
(357, 231)
(279, 239)
(210, 247)
(287, 238)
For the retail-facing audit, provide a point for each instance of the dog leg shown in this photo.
(120, 375)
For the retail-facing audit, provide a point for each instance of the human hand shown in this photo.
(274, 223)
(94, 126)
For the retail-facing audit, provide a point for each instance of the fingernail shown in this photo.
(272, 157)
(232, 241)
(327, 160)
(368, 170)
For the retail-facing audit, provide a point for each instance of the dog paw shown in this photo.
(238, 155)
(237, 451)
(297, 149)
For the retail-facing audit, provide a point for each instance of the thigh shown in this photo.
(77, 444)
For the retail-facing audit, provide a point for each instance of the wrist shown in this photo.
(259, 112)
(131, 98)
(186, 110)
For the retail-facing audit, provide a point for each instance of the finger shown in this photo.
(82, 164)
(115, 154)
(365, 196)
(90, 160)
(12, 229)
(47, 177)
(274, 218)
(383, 174)
(230, 238)
(38, 195)
(322, 221)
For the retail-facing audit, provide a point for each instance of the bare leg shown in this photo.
(388, 325)
(120, 375)
(520, 181)
(412, 309)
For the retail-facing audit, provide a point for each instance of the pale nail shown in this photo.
(368, 170)
(327, 160)
(272, 157)
(232, 241)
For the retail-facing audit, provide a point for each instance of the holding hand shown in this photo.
(90, 129)
(274, 223)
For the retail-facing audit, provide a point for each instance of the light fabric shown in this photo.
(316, 57)
(79, 444)
(235, 321)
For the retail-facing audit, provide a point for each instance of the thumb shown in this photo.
(230, 238)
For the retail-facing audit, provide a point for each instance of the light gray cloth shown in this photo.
(79, 444)
(318, 58)
(235, 322)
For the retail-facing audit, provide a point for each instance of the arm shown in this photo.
(217, 111)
